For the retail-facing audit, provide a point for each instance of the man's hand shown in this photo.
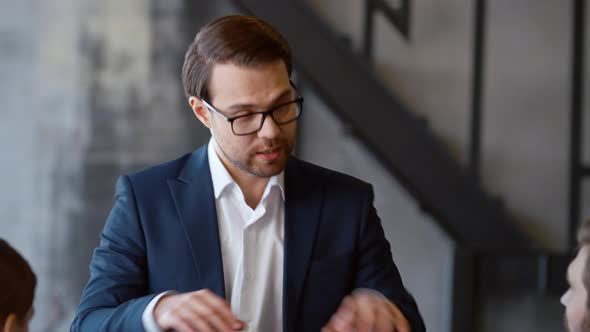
(364, 311)
(200, 311)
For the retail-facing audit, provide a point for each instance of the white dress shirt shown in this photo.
(251, 248)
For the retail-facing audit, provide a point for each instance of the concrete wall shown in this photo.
(88, 90)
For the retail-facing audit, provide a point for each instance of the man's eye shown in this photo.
(243, 112)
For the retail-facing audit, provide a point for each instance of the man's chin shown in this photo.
(266, 170)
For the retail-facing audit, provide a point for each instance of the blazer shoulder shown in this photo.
(332, 178)
(157, 175)
(167, 169)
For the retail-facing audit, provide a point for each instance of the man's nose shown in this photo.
(269, 129)
(563, 298)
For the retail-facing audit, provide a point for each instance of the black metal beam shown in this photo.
(577, 106)
(398, 17)
(478, 68)
(464, 291)
(368, 33)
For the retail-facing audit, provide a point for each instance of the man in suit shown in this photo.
(575, 299)
(17, 290)
(240, 235)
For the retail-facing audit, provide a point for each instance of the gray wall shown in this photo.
(526, 135)
(526, 118)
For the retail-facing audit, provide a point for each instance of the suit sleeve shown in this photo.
(116, 294)
(376, 269)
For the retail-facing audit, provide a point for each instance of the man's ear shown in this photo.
(200, 111)
(11, 323)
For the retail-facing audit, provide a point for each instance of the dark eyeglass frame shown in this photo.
(298, 101)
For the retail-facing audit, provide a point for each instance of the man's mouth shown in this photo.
(269, 155)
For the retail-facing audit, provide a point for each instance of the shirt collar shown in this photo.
(222, 179)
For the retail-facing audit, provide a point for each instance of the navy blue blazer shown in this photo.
(162, 234)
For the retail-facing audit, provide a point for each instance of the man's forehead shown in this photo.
(234, 84)
(230, 72)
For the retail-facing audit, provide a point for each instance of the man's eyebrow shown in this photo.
(236, 107)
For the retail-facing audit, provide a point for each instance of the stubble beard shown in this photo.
(249, 166)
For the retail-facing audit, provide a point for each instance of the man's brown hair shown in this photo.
(236, 39)
(17, 284)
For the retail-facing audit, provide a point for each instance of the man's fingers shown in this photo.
(198, 320)
(349, 302)
(343, 320)
(400, 321)
(402, 325)
(177, 324)
(384, 319)
(366, 313)
(203, 325)
(203, 312)
(181, 326)
(220, 324)
(182, 320)
(222, 311)
(328, 329)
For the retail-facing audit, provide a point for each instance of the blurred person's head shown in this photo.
(17, 289)
(238, 66)
(575, 299)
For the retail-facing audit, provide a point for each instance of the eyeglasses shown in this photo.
(252, 122)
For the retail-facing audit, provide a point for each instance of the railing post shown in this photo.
(577, 105)
(477, 88)
(464, 288)
(368, 30)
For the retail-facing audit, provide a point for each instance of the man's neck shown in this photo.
(252, 186)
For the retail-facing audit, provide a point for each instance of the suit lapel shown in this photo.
(303, 203)
(193, 196)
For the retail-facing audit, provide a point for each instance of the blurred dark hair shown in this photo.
(17, 284)
(236, 39)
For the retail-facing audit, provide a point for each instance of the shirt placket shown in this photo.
(249, 268)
